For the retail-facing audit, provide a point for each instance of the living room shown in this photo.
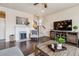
(31, 29)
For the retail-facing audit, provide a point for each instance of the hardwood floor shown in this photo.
(27, 47)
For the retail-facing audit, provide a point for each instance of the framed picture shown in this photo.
(22, 21)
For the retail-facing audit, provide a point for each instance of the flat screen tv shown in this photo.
(63, 25)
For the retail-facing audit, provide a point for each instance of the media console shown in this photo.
(70, 36)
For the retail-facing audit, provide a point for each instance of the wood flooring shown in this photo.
(27, 47)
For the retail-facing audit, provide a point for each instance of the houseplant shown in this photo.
(60, 41)
(75, 27)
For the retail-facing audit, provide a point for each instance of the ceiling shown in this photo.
(38, 9)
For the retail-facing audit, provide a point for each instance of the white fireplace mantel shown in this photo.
(20, 29)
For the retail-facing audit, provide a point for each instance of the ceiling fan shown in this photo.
(44, 4)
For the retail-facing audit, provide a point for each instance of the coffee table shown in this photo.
(43, 47)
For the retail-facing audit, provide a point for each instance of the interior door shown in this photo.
(2, 29)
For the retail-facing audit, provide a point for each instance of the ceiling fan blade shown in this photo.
(45, 5)
(35, 3)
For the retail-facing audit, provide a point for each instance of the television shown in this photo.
(63, 25)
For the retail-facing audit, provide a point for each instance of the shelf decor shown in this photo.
(75, 27)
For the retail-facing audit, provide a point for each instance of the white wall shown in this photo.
(71, 13)
(11, 20)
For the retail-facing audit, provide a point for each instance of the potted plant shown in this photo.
(60, 41)
(75, 27)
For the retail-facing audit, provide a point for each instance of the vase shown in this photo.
(52, 45)
(59, 46)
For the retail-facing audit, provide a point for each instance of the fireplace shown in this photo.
(23, 35)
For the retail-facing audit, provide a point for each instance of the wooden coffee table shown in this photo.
(43, 47)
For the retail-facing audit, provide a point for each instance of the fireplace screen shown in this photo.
(23, 36)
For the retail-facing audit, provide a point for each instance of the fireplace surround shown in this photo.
(22, 33)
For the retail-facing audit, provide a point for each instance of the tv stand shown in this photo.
(70, 36)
